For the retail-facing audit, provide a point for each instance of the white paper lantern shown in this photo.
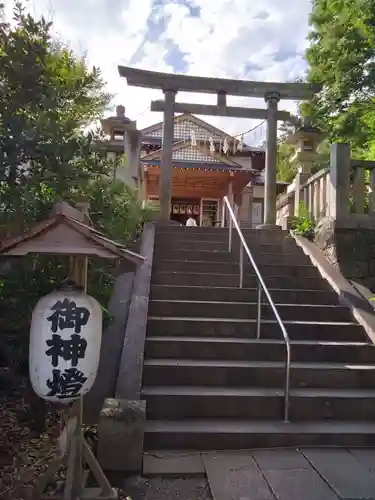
(65, 340)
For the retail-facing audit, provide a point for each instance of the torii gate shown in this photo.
(170, 84)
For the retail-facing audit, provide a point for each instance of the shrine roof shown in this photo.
(184, 124)
(185, 152)
(64, 234)
(201, 166)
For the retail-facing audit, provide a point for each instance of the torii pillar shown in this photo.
(269, 221)
(166, 165)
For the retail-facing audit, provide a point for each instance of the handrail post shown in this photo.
(261, 288)
(230, 234)
(259, 309)
(241, 265)
(287, 383)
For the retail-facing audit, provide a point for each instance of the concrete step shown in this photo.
(162, 228)
(235, 328)
(214, 255)
(223, 237)
(190, 402)
(232, 280)
(175, 243)
(218, 232)
(229, 373)
(275, 269)
(206, 434)
(242, 349)
(246, 310)
(227, 294)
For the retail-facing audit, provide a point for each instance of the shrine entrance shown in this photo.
(183, 208)
(272, 93)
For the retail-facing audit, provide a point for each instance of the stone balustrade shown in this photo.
(343, 191)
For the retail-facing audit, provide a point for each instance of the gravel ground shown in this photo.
(24, 454)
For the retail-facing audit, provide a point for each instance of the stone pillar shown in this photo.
(132, 148)
(297, 193)
(269, 222)
(166, 157)
(230, 191)
(145, 186)
(339, 187)
(250, 206)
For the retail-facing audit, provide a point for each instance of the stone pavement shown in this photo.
(303, 474)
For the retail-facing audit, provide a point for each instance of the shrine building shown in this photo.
(208, 164)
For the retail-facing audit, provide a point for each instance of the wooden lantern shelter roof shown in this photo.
(65, 233)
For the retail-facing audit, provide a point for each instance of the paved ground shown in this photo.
(304, 474)
(167, 488)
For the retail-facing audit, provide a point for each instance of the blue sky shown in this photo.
(263, 40)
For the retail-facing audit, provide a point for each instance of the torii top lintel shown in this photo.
(184, 83)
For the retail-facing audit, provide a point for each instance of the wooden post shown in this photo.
(77, 448)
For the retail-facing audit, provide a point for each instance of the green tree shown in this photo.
(341, 56)
(47, 96)
(286, 170)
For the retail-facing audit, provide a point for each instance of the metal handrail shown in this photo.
(261, 286)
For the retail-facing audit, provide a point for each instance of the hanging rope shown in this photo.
(251, 130)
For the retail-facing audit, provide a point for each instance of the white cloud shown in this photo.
(262, 40)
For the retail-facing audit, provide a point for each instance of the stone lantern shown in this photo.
(306, 140)
(124, 138)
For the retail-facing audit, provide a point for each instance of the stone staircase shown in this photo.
(210, 384)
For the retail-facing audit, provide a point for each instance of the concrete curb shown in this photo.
(129, 381)
(349, 296)
(122, 419)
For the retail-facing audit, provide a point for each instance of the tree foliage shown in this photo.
(48, 97)
(341, 56)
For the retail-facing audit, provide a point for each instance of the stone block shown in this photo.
(111, 350)
(286, 223)
(325, 233)
(121, 433)
(371, 268)
(352, 268)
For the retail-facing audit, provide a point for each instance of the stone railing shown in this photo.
(312, 191)
(314, 195)
(339, 191)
